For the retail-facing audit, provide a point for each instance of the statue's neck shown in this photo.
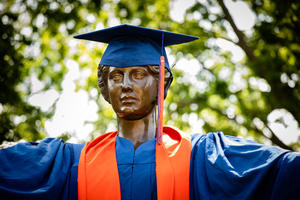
(138, 131)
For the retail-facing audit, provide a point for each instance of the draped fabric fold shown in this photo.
(38, 170)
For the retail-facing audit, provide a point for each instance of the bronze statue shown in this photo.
(132, 163)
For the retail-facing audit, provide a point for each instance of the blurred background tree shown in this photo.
(246, 97)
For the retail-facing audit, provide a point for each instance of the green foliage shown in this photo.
(223, 95)
(33, 41)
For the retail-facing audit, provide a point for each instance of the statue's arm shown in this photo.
(226, 167)
(36, 170)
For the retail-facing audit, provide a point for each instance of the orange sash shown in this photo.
(98, 176)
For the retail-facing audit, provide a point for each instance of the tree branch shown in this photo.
(275, 140)
(225, 38)
(242, 39)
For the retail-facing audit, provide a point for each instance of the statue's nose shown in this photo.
(127, 83)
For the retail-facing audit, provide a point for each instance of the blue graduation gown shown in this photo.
(45, 170)
(222, 167)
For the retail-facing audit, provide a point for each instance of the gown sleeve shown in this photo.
(45, 170)
(226, 167)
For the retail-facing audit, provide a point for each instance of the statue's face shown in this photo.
(132, 91)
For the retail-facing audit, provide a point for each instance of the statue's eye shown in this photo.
(116, 76)
(139, 74)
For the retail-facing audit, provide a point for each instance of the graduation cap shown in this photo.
(130, 45)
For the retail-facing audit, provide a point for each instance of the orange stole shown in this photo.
(98, 176)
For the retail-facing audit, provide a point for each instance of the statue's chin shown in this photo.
(132, 114)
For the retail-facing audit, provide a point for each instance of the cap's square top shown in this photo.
(130, 45)
(108, 34)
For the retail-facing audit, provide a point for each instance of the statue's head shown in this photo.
(133, 89)
(130, 63)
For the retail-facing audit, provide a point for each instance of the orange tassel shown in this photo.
(161, 98)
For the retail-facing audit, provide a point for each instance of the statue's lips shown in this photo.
(128, 99)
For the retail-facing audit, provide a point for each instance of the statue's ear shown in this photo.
(104, 91)
(107, 99)
(105, 95)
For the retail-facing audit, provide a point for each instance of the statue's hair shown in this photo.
(154, 70)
